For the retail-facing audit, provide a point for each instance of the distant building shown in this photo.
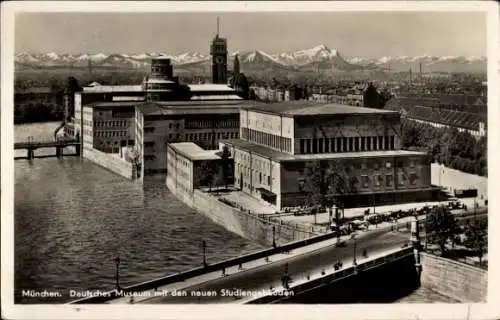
(149, 116)
(466, 113)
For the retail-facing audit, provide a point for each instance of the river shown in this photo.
(72, 218)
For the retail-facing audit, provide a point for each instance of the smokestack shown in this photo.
(410, 77)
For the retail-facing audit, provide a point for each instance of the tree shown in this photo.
(226, 165)
(207, 175)
(441, 227)
(477, 237)
(327, 182)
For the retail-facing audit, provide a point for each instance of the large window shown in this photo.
(388, 180)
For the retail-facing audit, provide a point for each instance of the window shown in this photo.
(363, 144)
(401, 179)
(149, 144)
(365, 180)
(320, 146)
(392, 146)
(260, 177)
(388, 164)
(412, 163)
(388, 180)
(377, 179)
(301, 185)
(413, 179)
(308, 146)
(363, 166)
(269, 180)
(149, 129)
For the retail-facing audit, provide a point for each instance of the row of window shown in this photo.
(378, 181)
(122, 143)
(208, 124)
(109, 134)
(109, 149)
(347, 144)
(111, 123)
(267, 139)
(159, 86)
(247, 172)
(203, 136)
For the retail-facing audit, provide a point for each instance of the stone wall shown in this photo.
(245, 224)
(453, 279)
(110, 161)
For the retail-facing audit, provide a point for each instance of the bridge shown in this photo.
(304, 261)
(31, 145)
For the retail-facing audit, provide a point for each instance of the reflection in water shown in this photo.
(72, 218)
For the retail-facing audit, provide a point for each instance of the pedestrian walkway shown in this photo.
(323, 218)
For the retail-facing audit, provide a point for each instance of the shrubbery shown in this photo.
(457, 150)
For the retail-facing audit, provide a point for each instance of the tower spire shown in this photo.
(217, 26)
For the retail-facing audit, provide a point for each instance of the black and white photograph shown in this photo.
(248, 154)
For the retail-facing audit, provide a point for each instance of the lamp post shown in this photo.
(117, 275)
(204, 247)
(353, 237)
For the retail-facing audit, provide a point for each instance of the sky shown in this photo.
(354, 34)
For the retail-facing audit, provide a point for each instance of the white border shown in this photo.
(388, 311)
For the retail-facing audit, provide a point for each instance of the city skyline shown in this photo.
(398, 34)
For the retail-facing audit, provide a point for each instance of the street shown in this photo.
(298, 266)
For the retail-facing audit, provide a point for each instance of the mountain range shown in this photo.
(318, 58)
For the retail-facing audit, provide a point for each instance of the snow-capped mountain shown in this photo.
(319, 57)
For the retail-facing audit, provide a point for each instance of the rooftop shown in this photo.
(301, 108)
(200, 106)
(194, 152)
(282, 157)
(210, 87)
(217, 97)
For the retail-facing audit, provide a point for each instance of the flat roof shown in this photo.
(282, 156)
(194, 152)
(198, 106)
(303, 108)
(216, 97)
(110, 104)
(121, 88)
(210, 87)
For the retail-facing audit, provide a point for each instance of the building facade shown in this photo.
(191, 167)
(218, 50)
(280, 143)
(205, 123)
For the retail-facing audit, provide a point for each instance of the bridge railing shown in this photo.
(336, 275)
(152, 284)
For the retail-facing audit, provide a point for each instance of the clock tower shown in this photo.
(218, 50)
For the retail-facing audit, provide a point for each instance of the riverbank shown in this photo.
(240, 221)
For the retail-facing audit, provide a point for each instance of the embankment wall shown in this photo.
(454, 279)
(110, 162)
(243, 223)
